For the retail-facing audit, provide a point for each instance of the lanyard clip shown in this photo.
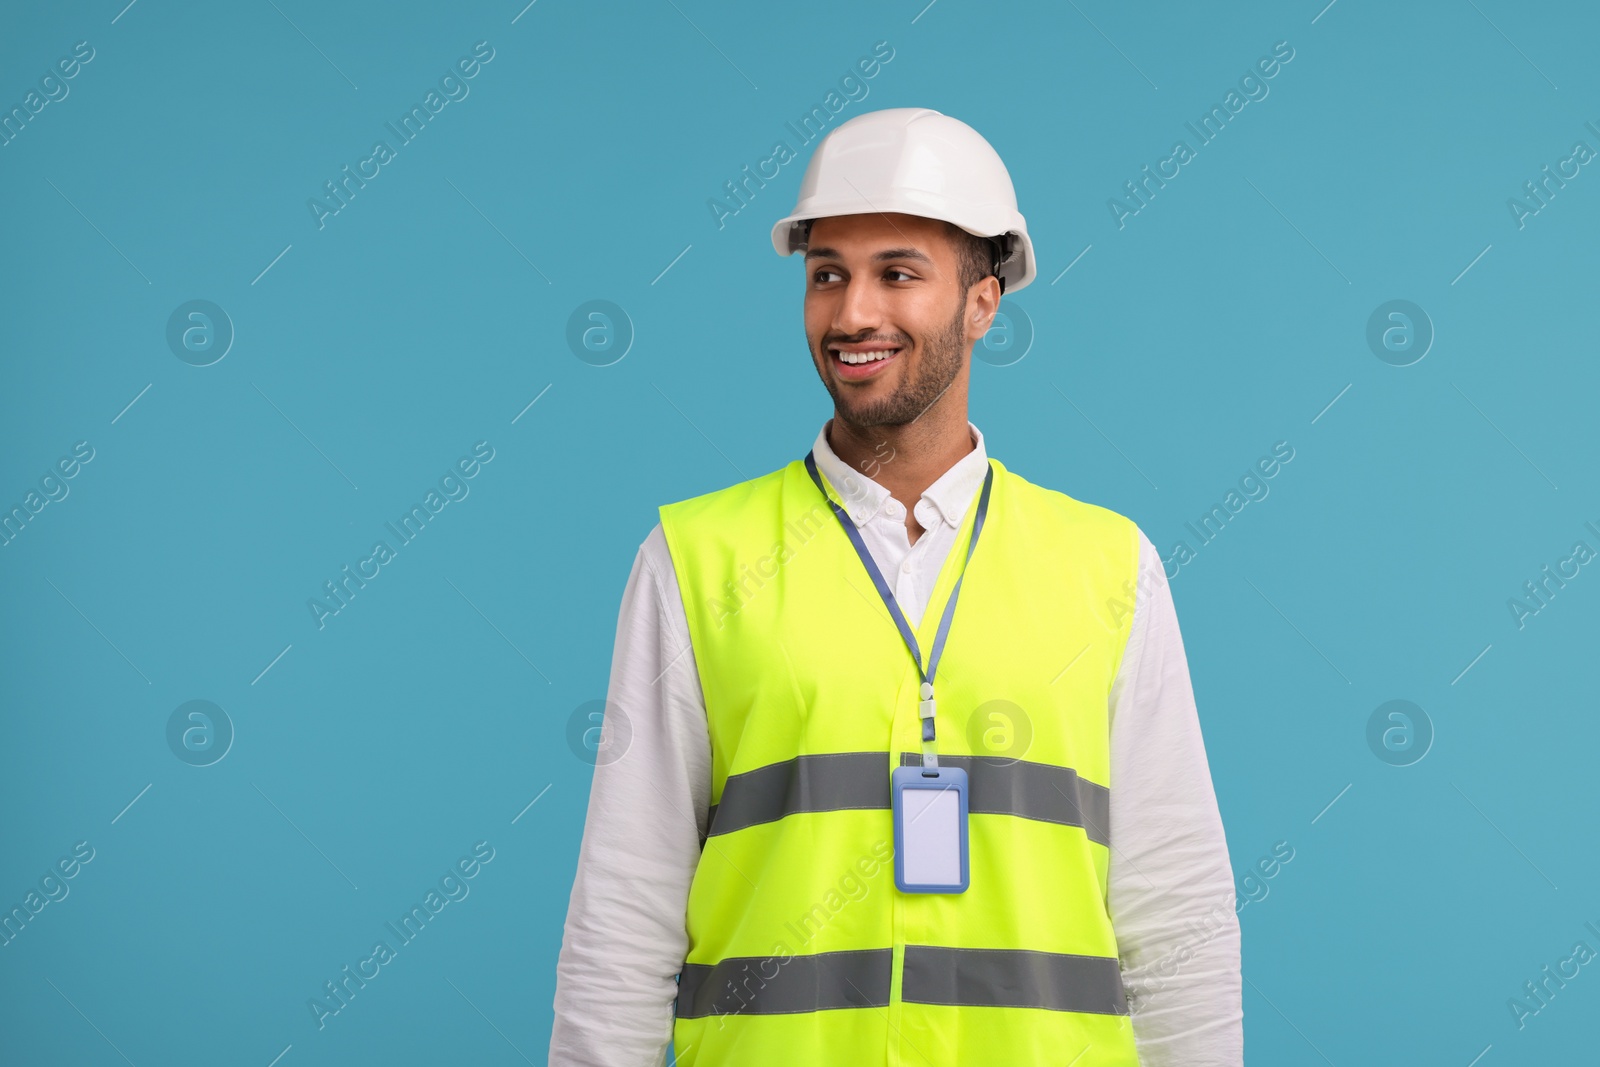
(925, 708)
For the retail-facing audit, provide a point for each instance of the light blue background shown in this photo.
(428, 314)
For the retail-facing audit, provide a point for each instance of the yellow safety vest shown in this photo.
(801, 949)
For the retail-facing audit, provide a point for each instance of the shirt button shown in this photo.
(894, 510)
(906, 567)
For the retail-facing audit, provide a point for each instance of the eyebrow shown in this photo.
(881, 257)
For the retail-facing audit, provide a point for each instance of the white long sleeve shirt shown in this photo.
(1170, 892)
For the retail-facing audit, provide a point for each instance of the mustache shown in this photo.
(830, 340)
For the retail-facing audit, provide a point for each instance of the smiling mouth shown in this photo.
(852, 363)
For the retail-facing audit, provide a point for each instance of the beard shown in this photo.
(942, 356)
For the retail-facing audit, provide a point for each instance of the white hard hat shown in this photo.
(915, 161)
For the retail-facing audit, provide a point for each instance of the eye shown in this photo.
(904, 274)
(819, 275)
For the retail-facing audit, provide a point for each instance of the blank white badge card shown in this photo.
(931, 830)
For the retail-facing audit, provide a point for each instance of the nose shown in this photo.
(860, 308)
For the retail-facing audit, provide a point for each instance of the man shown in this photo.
(791, 666)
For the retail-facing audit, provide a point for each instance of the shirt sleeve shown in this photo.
(625, 938)
(1170, 891)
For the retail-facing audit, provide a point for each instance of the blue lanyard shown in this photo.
(925, 707)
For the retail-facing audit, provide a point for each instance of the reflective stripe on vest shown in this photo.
(856, 978)
(831, 781)
(980, 977)
(800, 949)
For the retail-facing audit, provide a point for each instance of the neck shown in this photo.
(904, 459)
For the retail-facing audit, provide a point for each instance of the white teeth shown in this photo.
(865, 357)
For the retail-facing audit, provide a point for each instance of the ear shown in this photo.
(983, 303)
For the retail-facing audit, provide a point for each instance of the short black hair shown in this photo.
(978, 256)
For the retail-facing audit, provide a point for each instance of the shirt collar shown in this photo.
(864, 498)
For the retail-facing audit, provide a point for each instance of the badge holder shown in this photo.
(930, 829)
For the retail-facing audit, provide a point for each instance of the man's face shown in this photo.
(887, 286)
